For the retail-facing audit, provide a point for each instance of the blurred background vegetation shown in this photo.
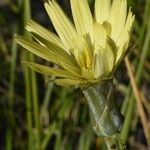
(35, 114)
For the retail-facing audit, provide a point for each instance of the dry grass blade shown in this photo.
(139, 102)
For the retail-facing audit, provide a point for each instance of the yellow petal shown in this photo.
(110, 55)
(72, 69)
(104, 59)
(98, 64)
(107, 27)
(123, 39)
(99, 35)
(50, 71)
(52, 53)
(83, 51)
(37, 49)
(118, 17)
(102, 8)
(61, 53)
(80, 57)
(87, 74)
(124, 35)
(122, 55)
(44, 33)
(114, 12)
(62, 24)
(82, 16)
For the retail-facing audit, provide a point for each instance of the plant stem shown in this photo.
(28, 103)
(31, 88)
(48, 95)
(36, 107)
(51, 131)
(25, 57)
(9, 139)
(11, 120)
(44, 108)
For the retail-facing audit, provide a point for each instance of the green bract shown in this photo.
(86, 51)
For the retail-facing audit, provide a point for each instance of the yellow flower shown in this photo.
(86, 51)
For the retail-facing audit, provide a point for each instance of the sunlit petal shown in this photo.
(118, 21)
(99, 35)
(62, 24)
(82, 16)
(102, 10)
(124, 37)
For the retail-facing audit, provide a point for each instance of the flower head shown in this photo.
(87, 50)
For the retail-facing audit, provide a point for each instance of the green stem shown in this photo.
(45, 106)
(11, 120)
(47, 97)
(28, 102)
(31, 88)
(36, 108)
(48, 94)
(51, 131)
(9, 139)
(25, 57)
(12, 73)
